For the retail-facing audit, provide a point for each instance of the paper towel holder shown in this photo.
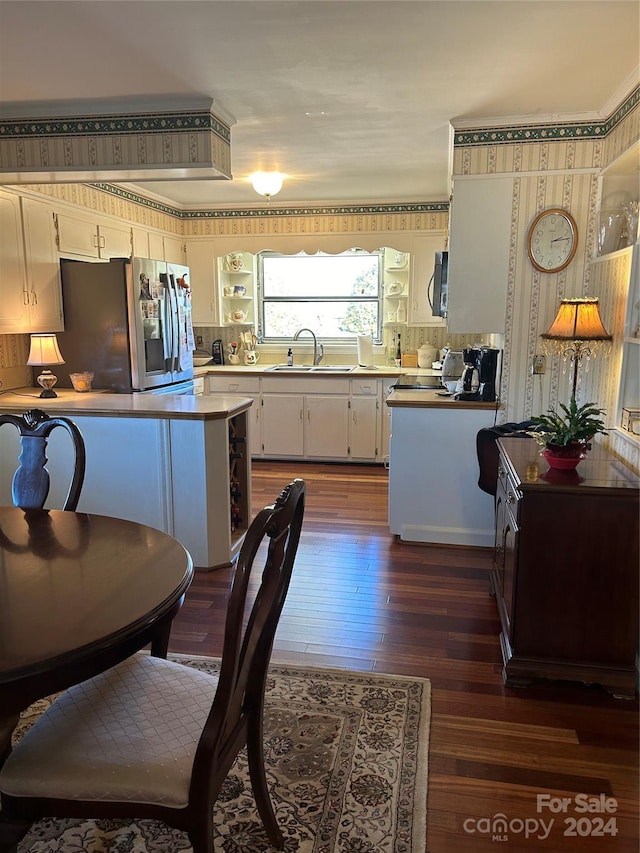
(365, 351)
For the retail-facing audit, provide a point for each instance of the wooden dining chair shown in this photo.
(31, 481)
(153, 738)
(30, 488)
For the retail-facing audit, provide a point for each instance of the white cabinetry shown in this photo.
(242, 386)
(174, 250)
(479, 239)
(165, 248)
(29, 268)
(396, 287)
(432, 492)
(364, 427)
(43, 268)
(312, 426)
(14, 305)
(327, 426)
(283, 425)
(385, 420)
(311, 417)
(320, 418)
(87, 238)
(202, 269)
(236, 276)
(140, 242)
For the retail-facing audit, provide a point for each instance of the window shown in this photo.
(336, 296)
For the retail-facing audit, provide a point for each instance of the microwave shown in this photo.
(437, 295)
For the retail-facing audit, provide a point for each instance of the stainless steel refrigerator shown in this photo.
(129, 322)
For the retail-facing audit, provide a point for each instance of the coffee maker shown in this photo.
(478, 378)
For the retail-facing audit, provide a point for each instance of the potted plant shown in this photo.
(566, 435)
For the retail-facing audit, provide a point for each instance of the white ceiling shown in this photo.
(352, 99)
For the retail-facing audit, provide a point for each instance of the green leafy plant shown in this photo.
(574, 424)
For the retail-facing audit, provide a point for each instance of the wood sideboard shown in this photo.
(565, 572)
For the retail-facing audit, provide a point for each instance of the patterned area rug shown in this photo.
(346, 757)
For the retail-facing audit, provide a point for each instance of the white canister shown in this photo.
(427, 354)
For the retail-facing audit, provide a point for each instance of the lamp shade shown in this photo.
(267, 183)
(44, 350)
(577, 320)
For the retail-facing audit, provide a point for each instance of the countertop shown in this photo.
(406, 398)
(378, 372)
(428, 399)
(204, 407)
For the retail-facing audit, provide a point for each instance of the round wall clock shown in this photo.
(552, 240)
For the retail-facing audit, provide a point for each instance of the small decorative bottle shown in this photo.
(290, 357)
(401, 314)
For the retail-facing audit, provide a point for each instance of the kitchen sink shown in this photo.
(287, 368)
(333, 368)
(311, 368)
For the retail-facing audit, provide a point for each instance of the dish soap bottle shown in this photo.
(290, 358)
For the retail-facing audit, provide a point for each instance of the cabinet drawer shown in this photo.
(304, 385)
(234, 384)
(508, 488)
(369, 387)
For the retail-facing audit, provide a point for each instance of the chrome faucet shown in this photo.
(318, 349)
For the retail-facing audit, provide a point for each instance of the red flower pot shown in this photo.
(566, 456)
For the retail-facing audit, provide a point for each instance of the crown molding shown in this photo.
(504, 131)
(271, 211)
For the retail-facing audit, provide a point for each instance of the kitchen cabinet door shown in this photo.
(327, 427)
(363, 425)
(42, 268)
(77, 236)
(174, 252)
(479, 241)
(114, 242)
(89, 239)
(140, 242)
(282, 425)
(202, 270)
(14, 304)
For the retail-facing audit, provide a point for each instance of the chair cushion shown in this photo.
(128, 734)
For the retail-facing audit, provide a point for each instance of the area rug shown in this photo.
(346, 758)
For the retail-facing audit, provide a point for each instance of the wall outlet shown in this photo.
(538, 364)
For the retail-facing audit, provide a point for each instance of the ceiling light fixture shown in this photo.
(267, 183)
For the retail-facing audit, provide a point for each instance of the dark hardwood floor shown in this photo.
(359, 599)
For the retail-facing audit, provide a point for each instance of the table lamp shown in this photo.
(577, 332)
(44, 350)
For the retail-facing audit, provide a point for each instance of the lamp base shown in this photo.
(46, 381)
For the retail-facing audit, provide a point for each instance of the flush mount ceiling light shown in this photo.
(267, 183)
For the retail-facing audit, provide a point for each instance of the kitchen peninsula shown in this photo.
(433, 470)
(177, 463)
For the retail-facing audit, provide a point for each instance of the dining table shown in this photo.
(78, 594)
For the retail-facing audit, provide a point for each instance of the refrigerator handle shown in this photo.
(167, 322)
(175, 322)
